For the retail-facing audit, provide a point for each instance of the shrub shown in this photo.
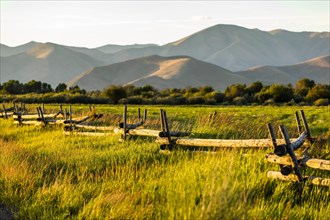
(240, 101)
(281, 93)
(321, 102)
(210, 102)
(318, 92)
(115, 93)
(196, 100)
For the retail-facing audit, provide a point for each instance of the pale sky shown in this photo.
(96, 23)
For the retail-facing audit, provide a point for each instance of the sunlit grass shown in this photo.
(47, 175)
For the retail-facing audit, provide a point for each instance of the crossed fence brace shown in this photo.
(16, 109)
(39, 119)
(289, 162)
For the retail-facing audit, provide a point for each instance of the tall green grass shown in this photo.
(46, 175)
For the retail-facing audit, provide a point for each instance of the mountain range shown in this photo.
(183, 71)
(161, 72)
(217, 56)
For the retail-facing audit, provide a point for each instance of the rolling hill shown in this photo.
(277, 56)
(317, 69)
(113, 48)
(238, 48)
(47, 62)
(6, 51)
(183, 71)
(160, 72)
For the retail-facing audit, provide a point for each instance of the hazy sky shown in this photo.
(96, 23)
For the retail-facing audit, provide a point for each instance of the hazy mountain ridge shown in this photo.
(317, 69)
(112, 48)
(238, 48)
(161, 72)
(6, 51)
(47, 62)
(251, 53)
(183, 71)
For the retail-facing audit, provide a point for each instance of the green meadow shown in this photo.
(47, 175)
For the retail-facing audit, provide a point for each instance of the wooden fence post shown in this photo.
(291, 153)
(139, 114)
(167, 131)
(162, 126)
(309, 135)
(5, 111)
(299, 127)
(124, 122)
(70, 117)
(145, 116)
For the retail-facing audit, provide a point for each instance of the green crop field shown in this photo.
(47, 175)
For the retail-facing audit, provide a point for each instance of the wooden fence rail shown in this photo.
(291, 177)
(218, 143)
(284, 155)
(306, 162)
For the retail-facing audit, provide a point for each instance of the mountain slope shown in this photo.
(47, 62)
(6, 51)
(94, 53)
(183, 71)
(160, 72)
(112, 48)
(268, 56)
(317, 69)
(238, 48)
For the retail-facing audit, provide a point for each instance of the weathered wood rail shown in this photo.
(291, 177)
(284, 155)
(11, 111)
(127, 130)
(60, 118)
(303, 161)
(219, 143)
(38, 119)
(127, 127)
(150, 132)
(166, 140)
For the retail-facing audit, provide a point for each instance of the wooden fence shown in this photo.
(290, 164)
(284, 149)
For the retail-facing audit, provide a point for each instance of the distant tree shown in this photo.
(130, 90)
(240, 101)
(61, 87)
(13, 87)
(263, 95)
(318, 92)
(205, 89)
(254, 88)
(196, 100)
(191, 90)
(281, 93)
(149, 91)
(76, 90)
(217, 96)
(148, 88)
(234, 91)
(32, 86)
(303, 86)
(175, 91)
(45, 88)
(115, 93)
(37, 87)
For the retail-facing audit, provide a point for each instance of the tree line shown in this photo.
(33, 86)
(304, 92)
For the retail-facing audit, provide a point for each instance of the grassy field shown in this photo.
(47, 175)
